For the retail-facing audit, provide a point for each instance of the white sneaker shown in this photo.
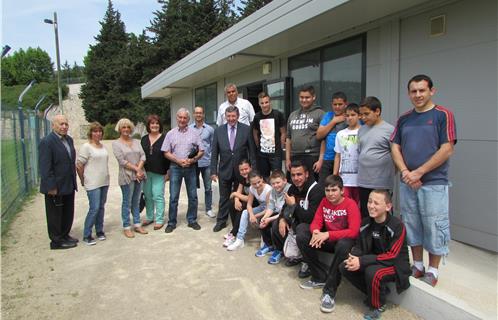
(238, 244)
(229, 240)
(228, 235)
(210, 214)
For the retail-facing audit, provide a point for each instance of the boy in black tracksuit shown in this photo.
(380, 254)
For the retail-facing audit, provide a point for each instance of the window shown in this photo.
(206, 97)
(337, 67)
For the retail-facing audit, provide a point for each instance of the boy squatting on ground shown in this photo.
(379, 256)
(260, 191)
(276, 201)
(346, 153)
(238, 201)
(334, 228)
(301, 202)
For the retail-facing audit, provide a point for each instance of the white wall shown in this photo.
(184, 99)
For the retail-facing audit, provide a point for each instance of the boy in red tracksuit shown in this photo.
(334, 228)
(379, 256)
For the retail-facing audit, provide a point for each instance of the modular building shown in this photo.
(366, 47)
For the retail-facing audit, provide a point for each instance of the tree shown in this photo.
(104, 92)
(181, 26)
(66, 72)
(251, 6)
(23, 66)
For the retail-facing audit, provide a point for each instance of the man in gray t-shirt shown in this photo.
(375, 164)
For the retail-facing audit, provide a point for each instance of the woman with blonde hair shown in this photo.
(131, 158)
(93, 170)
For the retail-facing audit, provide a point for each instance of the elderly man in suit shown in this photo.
(231, 143)
(58, 183)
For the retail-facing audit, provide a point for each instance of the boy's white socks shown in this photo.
(419, 265)
(433, 270)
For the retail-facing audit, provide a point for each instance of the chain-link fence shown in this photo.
(21, 134)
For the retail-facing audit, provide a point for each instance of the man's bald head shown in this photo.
(60, 125)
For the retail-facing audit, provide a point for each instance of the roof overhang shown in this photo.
(278, 28)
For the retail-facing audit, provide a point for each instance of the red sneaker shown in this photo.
(416, 273)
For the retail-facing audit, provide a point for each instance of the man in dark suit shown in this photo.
(231, 143)
(58, 183)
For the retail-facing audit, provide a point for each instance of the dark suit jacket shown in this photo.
(57, 168)
(227, 166)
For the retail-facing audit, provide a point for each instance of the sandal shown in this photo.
(146, 223)
(140, 230)
(158, 226)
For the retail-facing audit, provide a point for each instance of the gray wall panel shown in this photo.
(463, 64)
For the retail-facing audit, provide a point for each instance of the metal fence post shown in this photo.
(23, 144)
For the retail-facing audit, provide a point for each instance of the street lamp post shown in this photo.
(54, 22)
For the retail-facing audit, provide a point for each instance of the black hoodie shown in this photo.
(297, 213)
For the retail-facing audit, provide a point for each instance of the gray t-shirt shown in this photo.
(375, 164)
(277, 199)
(301, 129)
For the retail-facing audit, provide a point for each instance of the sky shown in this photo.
(78, 21)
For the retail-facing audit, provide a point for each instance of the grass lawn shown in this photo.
(11, 181)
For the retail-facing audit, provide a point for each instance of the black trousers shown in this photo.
(226, 188)
(266, 234)
(276, 239)
(372, 281)
(235, 216)
(266, 164)
(364, 193)
(60, 215)
(326, 170)
(321, 272)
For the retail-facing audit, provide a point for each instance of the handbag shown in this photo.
(193, 152)
(142, 202)
(291, 250)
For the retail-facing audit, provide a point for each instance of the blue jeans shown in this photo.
(244, 220)
(206, 179)
(178, 173)
(131, 202)
(96, 207)
(425, 213)
(154, 197)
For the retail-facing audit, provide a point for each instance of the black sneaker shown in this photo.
(89, 241)
(219, 226)
(169, 229)
(304, 271)
(292, 262)
(194, 225)
(101, 236)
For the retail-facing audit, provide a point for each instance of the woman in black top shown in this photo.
(156, 166)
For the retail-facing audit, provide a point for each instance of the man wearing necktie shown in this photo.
(58, 183)
(231, 144)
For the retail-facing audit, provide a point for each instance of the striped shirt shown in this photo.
(181, 141)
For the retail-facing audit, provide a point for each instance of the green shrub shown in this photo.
(109, 132)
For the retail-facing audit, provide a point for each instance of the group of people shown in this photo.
(341, 165)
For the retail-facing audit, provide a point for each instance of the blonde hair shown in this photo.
(94, 126)
(122, 123)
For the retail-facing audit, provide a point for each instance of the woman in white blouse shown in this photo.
(131, 158)
(93, 170)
